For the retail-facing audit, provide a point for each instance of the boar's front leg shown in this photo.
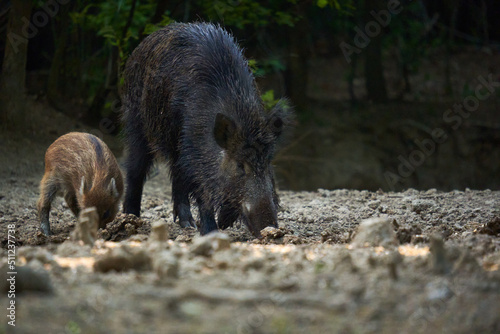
(137, 164)
(48, 191)
(182, 208)
(207, 218)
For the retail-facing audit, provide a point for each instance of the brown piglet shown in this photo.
(81, 168)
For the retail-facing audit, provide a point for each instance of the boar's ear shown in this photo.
(112, 188)
(280, 117)
(275, 124)
(224, 130)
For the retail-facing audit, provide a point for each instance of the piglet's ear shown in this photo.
(82, 186)
(224, 130)
(112, 188)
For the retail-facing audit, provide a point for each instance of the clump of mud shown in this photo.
(123, 227)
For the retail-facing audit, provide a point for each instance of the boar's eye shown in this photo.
(244, 169)
(106, 215)
(241, 168)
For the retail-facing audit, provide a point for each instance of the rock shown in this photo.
(438, 291)
(86, 227)
(492, 227)
(420, 205)
(255, 263)
(325, 236)
(419, 239)
(166, 265)
(272, 233)
(373, 204)
(123, 258)
(292, 239)
(439, 262)
(183, 238)
(375, 232)
(466, 263)
(36, 253)
(159, 231)
(73, 249)
(123, 227)
(208, 244)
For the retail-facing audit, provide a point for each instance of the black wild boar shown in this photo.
(189, 96)
(80, 167)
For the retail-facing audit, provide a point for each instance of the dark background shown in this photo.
(367, 123)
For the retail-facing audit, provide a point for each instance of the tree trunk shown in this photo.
(297, 65)
(114, 68)
(12, 80)
(57, 80)
(374, 71)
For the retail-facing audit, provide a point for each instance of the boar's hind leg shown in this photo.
(207, 218)
(182, 207)
(48, 191)
(70, 199)
(227, 216)
(137, 164)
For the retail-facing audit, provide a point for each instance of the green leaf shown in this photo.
(322, 3)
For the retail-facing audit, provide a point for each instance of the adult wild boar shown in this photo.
(189, 96)
(80, 167)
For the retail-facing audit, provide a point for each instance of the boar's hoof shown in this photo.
(45, 228)
(187, 223)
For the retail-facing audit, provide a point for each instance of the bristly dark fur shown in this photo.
(177, 82)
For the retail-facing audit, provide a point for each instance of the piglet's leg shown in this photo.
(70, 199)
(48, 191)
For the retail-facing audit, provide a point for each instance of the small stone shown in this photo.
(420, 205)
(272, 233)
(419, 239)
(437, 291)
(325, 236)
(73, 249)
(292, 239)
(159, 231)
(375, 232)
(439, 263)
(208, 244)
(373, 204)
(123, 258)
(86, 227)
(36, 253)
(166, 265)
(183, 238)
(130, 229)
(254, 263)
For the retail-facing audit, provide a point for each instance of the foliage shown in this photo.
(241, 13)
(345, 6)
(269, 100)
(108, 20)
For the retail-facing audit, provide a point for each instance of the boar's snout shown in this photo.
(259, 214)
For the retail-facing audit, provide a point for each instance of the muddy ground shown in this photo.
(429, 264)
